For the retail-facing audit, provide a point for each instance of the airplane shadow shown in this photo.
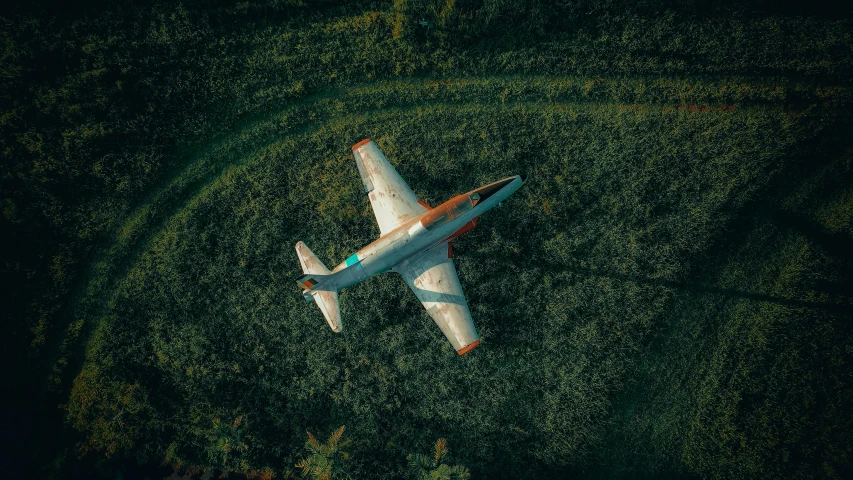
(433, 296)
(837, 245)
(728, 293)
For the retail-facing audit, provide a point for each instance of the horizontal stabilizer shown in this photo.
(328, 303)
(318, 284)
(309, 262)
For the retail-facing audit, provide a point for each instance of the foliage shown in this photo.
(668, 295)
(226, 441)
(107, 410)
(436, 468)
(326, 459)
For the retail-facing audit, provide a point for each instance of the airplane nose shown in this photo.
(523, 178)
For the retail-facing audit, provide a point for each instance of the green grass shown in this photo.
(562, 283)
(668, 294)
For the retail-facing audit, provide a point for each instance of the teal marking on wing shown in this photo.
(352, 260)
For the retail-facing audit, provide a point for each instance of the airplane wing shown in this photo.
(432, 276)
(392, 200)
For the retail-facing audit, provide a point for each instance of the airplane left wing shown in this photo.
(432, 276)
(392, 200)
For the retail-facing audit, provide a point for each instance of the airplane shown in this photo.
(415, 241)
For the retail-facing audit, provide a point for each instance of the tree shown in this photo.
(325, 461)
(425, 468)
(227, 441)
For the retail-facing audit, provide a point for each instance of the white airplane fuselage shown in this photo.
(415, 242)
(435, 227)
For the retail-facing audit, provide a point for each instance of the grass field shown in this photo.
(669, 294)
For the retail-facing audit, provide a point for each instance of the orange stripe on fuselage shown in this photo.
(424, 204)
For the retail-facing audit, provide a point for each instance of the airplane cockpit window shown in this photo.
(462, 205)
(449, 210)
(435, 218)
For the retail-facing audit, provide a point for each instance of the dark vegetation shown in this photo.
(668, 295)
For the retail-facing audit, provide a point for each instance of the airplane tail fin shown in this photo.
(317, 285)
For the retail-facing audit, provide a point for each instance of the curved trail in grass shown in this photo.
(126, 241)
(253, 135)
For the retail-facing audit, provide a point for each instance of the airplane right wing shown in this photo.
(432, 276)
(392, 200)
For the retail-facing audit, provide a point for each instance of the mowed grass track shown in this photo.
(203, 165)
(579, 284)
